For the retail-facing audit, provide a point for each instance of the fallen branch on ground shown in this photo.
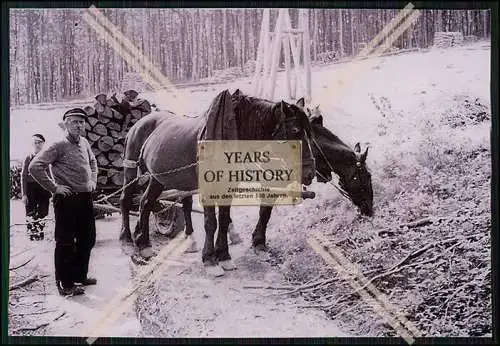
(21, 265)
(270, 287)
(24, 282)
(31, 329)
(61, 315)
(418, 223)
(397, 269)
(304, 287)
(355, 305)
(422, 250)
(34, 313)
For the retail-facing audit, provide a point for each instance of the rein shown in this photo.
(338, 187)
(280, 126)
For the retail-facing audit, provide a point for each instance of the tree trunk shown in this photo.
(341, 31)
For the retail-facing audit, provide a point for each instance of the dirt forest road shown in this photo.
(184, 302)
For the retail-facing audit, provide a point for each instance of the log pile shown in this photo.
(108, 122)
(470, 38)
(448, 39)
(327, 57)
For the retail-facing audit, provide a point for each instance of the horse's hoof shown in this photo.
(227, 265)
(147, 252)
(261, 252)
(192, 247)
(214, 270)
(260, 247)
(125, 237)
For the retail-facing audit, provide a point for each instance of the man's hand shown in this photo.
(63, 190)
(25, 199)
(93, 186)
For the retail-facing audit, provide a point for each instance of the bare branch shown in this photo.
(24, 282)
(21, 265)
(27, 329)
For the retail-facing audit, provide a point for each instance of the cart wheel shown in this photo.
(169, 221)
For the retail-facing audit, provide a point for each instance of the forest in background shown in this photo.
(55, 55)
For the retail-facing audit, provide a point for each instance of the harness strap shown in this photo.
(129, 163)
(341, 190)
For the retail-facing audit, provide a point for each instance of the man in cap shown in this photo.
(74, 169)
(35, 198)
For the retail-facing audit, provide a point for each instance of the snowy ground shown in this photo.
(412, 91)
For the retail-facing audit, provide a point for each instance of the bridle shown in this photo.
(338, 187)
(280, 128)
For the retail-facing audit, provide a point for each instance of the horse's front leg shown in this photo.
(259, 234)
(187, 208)
(208, 254)
(129, 187)
(141, 233)
(221, 245)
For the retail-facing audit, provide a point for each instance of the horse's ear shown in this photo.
(357, 148)
(301, 103)
(316, 119)
(364, 155)
(284, 106)
(237, 92)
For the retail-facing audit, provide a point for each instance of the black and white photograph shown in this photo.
(109, 236)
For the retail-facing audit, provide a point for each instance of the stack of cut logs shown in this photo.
(448, 39)
(107, 124)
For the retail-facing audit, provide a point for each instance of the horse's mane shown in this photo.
(255, 117)
(337, 142)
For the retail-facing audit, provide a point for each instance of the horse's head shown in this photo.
(332, 155)
(294, 125)
(357, 182)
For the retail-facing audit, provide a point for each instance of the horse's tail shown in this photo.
(142, 166)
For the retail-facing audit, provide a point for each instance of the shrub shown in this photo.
(15, 181)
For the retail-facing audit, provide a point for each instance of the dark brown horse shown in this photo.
(331, 155)
(169, 156)
(136, 136)
(134, 141)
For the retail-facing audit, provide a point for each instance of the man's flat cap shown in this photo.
(75, 112)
